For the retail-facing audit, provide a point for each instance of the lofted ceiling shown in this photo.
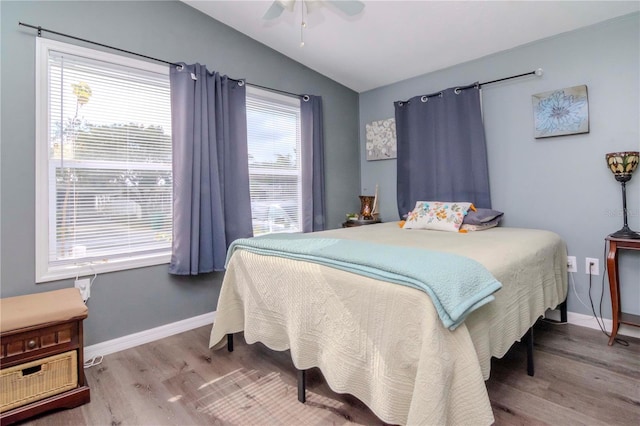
(393, 40)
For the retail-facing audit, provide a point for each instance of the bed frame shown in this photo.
(260, 295)
(527, 339)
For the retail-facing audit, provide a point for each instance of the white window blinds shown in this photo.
(108, 155)
(273, 132)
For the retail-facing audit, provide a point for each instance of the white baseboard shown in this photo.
(589, 321)
(146, 336)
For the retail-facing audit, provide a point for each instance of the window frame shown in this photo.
(285, 102)
(44, 271)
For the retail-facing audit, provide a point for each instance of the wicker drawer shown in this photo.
(37, 380)
(43, 341)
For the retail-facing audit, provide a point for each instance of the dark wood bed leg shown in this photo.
(563, 311)
(230, 342)
(529, 341)
(301, 386)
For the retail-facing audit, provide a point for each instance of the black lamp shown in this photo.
(623, 164)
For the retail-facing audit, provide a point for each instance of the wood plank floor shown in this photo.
(179, 381)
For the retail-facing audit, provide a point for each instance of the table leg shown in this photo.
(614, 289)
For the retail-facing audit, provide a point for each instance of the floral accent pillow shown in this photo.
(437, 215)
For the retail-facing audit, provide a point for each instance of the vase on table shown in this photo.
(366, 207)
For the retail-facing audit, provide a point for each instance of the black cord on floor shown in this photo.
(599, 320)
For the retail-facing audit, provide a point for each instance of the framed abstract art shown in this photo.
(381, 139)
(561, 112)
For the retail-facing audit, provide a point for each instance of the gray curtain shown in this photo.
(312, 135)
(211, 201)
(442, 153)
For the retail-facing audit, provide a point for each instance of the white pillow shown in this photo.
(437, 215)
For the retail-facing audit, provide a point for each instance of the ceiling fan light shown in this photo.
(348, 7)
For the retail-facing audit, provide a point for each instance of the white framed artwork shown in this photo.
(561, 112)
(381, 139)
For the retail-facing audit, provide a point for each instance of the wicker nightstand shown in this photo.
(41, 354)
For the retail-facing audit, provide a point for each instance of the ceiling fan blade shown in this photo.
(274, 11)
(312, 5)
(350, 7)
(287, 4)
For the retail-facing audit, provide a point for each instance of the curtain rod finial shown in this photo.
(539, 72)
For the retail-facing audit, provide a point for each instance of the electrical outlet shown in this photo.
(85, 288)
(572, 266)
(592, 266)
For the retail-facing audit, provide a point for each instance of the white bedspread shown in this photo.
(383, 343)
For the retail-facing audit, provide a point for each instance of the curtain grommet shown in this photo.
(240, 83)
(180, 67)
(457, 90)
(424, 98)
(440, 94)
(306, 98)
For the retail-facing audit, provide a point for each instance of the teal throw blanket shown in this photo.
(456, 284)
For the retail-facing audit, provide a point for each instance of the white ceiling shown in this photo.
(393, 40)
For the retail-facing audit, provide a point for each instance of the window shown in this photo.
(103, 170)
(273, 135)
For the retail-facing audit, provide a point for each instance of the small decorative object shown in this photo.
(561, 112)
(366, 207)
(623, 164)
(381, 139)
(375, 214)
(352, 216)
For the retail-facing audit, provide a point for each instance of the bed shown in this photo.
(384, 343)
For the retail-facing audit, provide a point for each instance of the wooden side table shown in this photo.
(618, 317)
(352, 223)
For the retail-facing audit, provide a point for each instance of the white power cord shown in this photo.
(84, 285)
(576, 291)
(572, 283)
(96, 360)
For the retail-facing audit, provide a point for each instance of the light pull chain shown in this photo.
(303, 24)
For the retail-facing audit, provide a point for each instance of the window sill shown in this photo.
(99, 267)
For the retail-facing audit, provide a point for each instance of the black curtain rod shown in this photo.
(295, 95)
(537, 72)
(40, 30)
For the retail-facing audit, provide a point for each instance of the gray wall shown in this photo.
(562, 183)
(130, 301)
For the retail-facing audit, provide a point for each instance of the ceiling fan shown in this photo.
(349, 7)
